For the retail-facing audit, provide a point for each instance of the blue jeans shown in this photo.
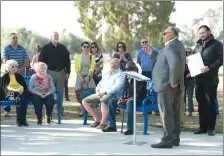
(38, 105)
(112, 104)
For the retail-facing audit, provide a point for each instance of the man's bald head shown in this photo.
(115, 63)
(54, 37)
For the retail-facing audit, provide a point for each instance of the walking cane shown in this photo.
(122, 121)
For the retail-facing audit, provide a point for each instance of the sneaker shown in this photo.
(128, 132)
(6, 114)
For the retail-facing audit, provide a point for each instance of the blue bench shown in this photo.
(148, 104)
(57, 101)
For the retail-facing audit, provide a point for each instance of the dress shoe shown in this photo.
(48, 120)
(128, 132)
(200, 131)
(109, 129)
(176, 142)
(19, 124)
(211, 132)
(68, 99)
(25, 123)
(39, 121)
(162, 145)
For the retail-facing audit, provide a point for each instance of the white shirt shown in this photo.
(169, 41)
(112, 83)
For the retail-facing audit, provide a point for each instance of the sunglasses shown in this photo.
(166, 33)
(120, 46)
(85, 46)
(144, 42)
(13, 66)
(93, 47)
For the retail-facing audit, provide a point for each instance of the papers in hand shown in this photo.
(195, 63)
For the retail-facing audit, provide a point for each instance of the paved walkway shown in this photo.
(72, 138)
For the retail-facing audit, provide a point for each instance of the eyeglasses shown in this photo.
(144, 42)
(166, 33)
(94, 47)
(15, 38)
(85, 46)
(13, 66)
(120, 46)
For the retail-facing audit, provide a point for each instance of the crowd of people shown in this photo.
(167, 69)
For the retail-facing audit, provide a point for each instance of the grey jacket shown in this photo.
(168, 67)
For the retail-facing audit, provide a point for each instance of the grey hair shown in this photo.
(10, 63)
(38, 65)
(174, 30)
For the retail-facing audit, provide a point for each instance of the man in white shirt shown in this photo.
(110, 86)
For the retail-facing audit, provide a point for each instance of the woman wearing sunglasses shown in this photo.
(13, 87)
(122, 55)
(84, 68)
(97, 75)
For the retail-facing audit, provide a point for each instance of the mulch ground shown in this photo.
(72, 112)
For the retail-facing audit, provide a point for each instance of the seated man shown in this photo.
(126, 99)
(109, 87)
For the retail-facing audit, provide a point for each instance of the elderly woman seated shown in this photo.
(14, 88)
(42, 87)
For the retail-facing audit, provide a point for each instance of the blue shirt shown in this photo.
(19, 54)
(112, 83)
(145, 60)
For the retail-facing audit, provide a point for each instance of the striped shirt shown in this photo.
(18, 54)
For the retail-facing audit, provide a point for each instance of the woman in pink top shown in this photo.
(36, 57)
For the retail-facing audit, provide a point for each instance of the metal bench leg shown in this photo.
(85, 117)
(145, 115)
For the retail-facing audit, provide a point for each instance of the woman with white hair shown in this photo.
(42, 87)
(13, 87)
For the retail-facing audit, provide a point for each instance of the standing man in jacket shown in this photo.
(56, 56)
(207, 82)
(168, 82)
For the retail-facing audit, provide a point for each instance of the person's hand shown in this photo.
(20, 90)
(42, 95)
(188, 75)
(121, 102)
(174, 86)
(148, 50)
(45, 95)
(67, 76)
(204, 69)
(86, 79)
(82, 80)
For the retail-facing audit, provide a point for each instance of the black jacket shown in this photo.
(212, 56)
(4, 82)
(129, 88)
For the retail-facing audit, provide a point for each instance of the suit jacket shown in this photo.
(168, 67)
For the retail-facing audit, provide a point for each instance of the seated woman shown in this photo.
(42, 87)
(13, 87)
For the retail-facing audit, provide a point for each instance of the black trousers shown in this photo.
(21, 108)
(206, 92)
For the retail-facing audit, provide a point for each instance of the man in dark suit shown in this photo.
(168, 82)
